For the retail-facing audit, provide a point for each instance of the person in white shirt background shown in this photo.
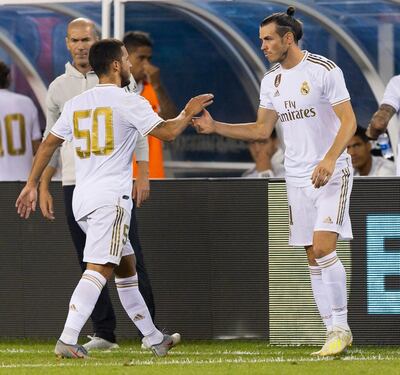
(364, 163)
(20, 133)
(390, 105)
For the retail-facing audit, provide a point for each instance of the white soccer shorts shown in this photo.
(323, 209)
(107, 230)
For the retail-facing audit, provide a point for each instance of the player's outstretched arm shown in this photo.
(380, 120)
(253, 131)
(168, 130)
(26, 202)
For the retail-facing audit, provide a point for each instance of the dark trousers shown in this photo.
(103, 316)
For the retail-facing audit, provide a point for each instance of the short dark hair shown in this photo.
(360, 132)
(135, 39)
(285, 22)
(103, 53)
(4, 75)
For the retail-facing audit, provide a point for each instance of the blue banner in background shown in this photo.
(383, 264)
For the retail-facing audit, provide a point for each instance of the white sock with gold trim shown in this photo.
(135, 306)
(81, 305)
(334, 278)
(320, 296)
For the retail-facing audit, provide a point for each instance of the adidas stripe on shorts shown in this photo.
(323, 209)
(106, 231)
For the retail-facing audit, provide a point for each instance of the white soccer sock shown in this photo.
(320, 296)
(81, 305)
(334, 278)
(135, 306)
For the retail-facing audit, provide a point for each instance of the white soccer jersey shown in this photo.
(392, 97)
(303, 98)
(392, 93)
(104, 123)
(19, 126)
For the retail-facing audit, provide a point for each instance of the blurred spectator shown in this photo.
(389, 106)
(268, 157)
(20, 133)
(148, 84)
(364, 164)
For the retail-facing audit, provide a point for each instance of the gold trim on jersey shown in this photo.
(323, 59)
(319, 62)
(343, 196)
(341, 101)
(275, 67)
(115, 237)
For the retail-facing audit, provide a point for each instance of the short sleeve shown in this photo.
(62, 128)
(265, 101)
(335, 88)
(140, 114)
(392, 93)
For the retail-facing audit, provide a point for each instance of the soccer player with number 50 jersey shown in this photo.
(103, 125)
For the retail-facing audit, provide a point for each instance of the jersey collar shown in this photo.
(299, 64)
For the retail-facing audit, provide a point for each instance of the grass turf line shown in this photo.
(197, 357)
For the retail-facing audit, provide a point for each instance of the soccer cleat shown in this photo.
(97, 343)
(337, 341)
(161, 349)
(328, 337)
(63, 350)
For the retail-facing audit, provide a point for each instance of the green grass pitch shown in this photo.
(198, 357)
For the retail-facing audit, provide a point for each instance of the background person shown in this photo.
(149, 85)
(268, 157)
(364, 163)
(20, 132)
(390, 105)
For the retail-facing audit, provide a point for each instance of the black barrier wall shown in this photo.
(205, 247)
(215, 251)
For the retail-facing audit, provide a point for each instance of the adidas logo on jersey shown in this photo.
(328, 220)
(276, 94)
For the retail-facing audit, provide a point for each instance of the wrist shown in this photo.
(32, 183)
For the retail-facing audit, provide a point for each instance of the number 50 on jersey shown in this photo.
(92, 137)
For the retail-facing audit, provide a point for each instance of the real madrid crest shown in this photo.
(278, 80)
(305, 89)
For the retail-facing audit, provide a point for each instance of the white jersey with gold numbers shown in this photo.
(19, 126)
(303, 98)
(104, 123)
